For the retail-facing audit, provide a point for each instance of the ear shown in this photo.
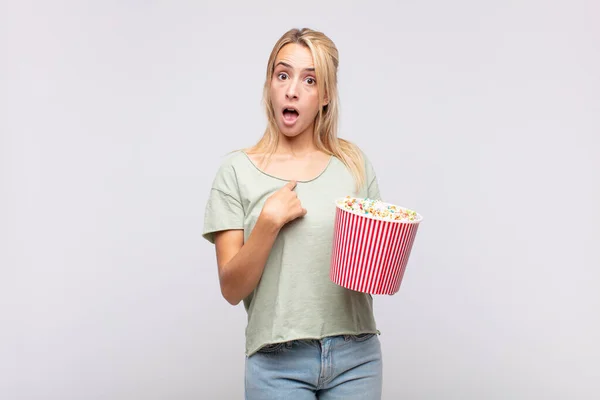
(325, 101)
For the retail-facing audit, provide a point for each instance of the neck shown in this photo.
(300, 145)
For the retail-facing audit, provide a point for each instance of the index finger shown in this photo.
(291, 185)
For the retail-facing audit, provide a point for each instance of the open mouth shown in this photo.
(290, 115)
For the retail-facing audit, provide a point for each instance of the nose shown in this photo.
(292, 90)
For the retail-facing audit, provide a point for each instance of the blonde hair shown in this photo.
(326, 61)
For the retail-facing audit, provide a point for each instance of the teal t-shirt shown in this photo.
(295, 298)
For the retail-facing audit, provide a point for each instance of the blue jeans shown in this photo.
(341, 367)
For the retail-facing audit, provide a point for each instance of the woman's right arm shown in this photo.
(241, 264)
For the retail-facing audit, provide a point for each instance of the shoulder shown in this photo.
(361, 156)
(228, 170)
(370, 174)
(353, 149)
(233, 159)
(371, 181)
(366, 157)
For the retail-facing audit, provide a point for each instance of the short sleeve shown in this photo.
(371, 180)
(224, 209)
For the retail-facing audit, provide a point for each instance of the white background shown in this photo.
(483, 116)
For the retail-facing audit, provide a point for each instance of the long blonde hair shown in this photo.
(326, 60)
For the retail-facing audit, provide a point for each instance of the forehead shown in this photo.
(296, 55)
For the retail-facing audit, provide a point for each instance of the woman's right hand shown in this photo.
(283, 206)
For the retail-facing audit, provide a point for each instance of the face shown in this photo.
(293, 91)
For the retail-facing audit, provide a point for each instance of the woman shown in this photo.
(271, 214)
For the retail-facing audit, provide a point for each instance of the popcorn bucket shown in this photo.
(371, 246)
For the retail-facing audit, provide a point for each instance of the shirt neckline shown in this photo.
(331, 157)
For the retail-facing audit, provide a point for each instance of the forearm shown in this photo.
(240, 275)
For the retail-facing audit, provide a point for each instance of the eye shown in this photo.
(311, 81)
(282, 76)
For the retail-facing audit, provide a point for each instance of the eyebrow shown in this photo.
(290, 67)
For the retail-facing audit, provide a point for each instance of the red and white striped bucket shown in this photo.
(369, 254)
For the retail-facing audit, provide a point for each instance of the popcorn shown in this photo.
(377, 209)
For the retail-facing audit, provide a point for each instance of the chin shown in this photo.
(291, 132)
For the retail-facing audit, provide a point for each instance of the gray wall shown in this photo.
(482, 116)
